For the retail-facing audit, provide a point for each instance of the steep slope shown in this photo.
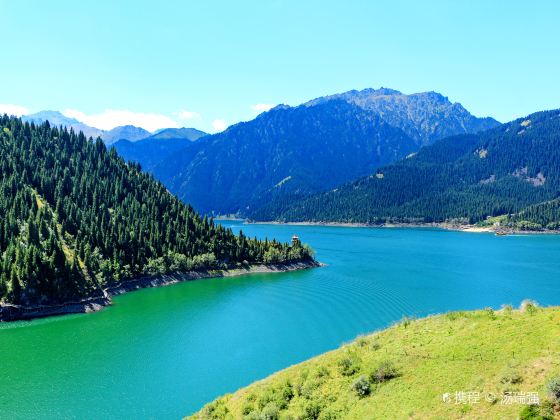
(124, 132)
(76, 219)
(465, 178)
(425, 117)
(55, 118)
(458, 365)
(283, 153)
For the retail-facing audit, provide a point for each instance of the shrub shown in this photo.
(322, 372)
(312, 411)
(534, 412)
(247, 409)
(406, 321)
(215, 411)
(361, 386)
(361, 341)
(287, 392)
(270, 412)
(253, 415)
(508, 309)
(490, 313)
(553, 389)
(529, 306)
(348, 366)
(375, 345)
(511, 376)
(385, 371)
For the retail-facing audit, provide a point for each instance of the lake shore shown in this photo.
(10, 312)
(498, 230)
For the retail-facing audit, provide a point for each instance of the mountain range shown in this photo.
(130, 133)
(509, 175)
(289, 153)
(263, 167)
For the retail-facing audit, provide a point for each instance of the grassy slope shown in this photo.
(460, 351)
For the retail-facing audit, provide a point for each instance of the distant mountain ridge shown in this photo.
(509, 174)
(56, 118)
(124, 132)
(191, 134)
(425, 117)
(290, 152)
(109, 137)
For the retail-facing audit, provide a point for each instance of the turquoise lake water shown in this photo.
(164, 353)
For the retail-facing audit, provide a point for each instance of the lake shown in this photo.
(164, 353)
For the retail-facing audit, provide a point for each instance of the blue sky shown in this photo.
(209, 63)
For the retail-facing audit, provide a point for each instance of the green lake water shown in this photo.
(164, 353)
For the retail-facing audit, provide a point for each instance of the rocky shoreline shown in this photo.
(10, 312)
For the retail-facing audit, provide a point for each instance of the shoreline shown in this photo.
(9, 313)
(498, 230)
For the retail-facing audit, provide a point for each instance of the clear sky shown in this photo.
(211, 63)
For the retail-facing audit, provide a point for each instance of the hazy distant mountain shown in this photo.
(158, 147)
(282, 153)
(150, 151)
(425, 117)
(510, 171)
(55, 118)
(124, 132)
(191, 134)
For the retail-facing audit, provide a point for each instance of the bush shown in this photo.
(312, 411)
(361, 386)
(529, 306)
(361, 341)
(270, 412)
(553, 389)
(511, 376)
(534, 412)
(385, 371)
(508, 309)
(348, 366)
(406, 321)
(490, 313)
(287, 392)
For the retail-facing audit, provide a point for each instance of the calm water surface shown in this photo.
(163, 353)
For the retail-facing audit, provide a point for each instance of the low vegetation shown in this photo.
(483, 364)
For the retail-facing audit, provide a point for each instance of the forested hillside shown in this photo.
(76, 218)
(504, 171)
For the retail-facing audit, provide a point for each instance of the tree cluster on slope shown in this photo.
(77, 218)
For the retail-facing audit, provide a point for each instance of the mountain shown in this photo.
(425, 117)
(283, 153)
(191, 134)
(158, 147)
(55, 118)
(76, 219)
(511, 171)
(124, 132)
(291, 152)
(151, 151)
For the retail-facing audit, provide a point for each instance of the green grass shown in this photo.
(409, 367)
